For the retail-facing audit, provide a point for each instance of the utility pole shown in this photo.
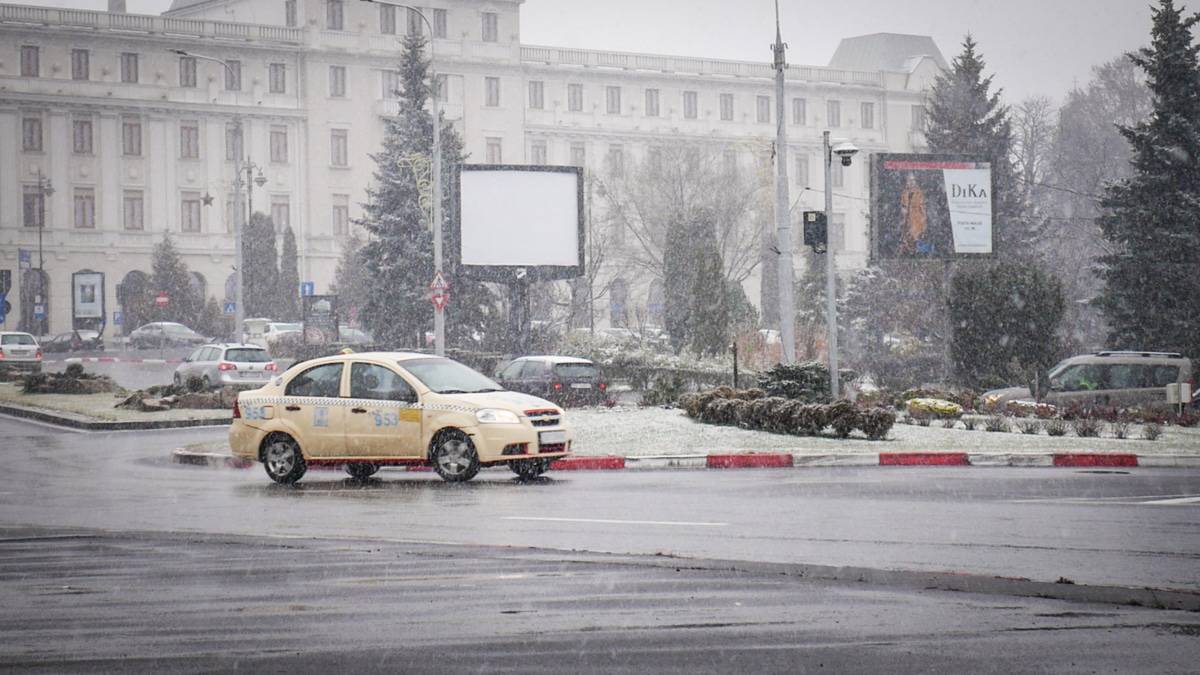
(783, 218)
(831, 326)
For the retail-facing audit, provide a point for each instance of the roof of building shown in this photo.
(177, 5)
(881, 51)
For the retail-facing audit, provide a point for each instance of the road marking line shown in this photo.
(613, 522)
(1177, 500)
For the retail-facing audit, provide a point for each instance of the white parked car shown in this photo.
(237, 365)
(20, 351)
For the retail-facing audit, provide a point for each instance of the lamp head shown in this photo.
(846, 150)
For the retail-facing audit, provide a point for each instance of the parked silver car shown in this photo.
(20, 351)
(164, 333)
(221, 365)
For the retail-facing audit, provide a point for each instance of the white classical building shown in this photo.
(136, 140)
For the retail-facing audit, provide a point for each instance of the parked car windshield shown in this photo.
(575, 370)
(247, 356)
(449, 377)
(17, 340)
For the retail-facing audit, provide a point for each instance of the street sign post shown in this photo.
(230, 307)
(24, 258)
(439, 292)
(163, 299)
(308, 289)
(118, 317)
(39, 310)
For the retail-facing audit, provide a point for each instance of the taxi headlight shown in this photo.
(494, 416)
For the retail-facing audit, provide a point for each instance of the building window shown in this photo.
(838, 175)
(337, 81)
(764, 110)
(339, 147)
(616, 160)
(233, 76)
(30, 61)
(33, 204)
(726, 107)
(279, 144)
(281, 212)
(189, 140)
(80, 64)
(278, 78)
(612, 98)
(131, 137)
(837, 232)
(81, 137)
(800, 111)
(802, 170)
(491, 94)
(867, 115)
(387, 19)
(31, 134)
(537, 98)
(414, 22)
(439, 23)
(493, 150)
(537, 152)
(491, 26)
(289, 13)
(341, 214)
(651, 103)
(391, 84)
(233, 143)
(189, 212)
(575, 97)
(187, 71)
(578, 154)
(233, 212)
(134, 210)
(690, 105)
(85, 208)
(335, 14)
(129, 67)
(833, 113)
(918, 118)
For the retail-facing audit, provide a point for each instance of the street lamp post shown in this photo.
(45, 189)
(439, 315)
(783, 217)
(845, 151)
(239, 308)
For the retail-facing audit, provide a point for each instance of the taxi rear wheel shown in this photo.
(361, 471)
(454, 457)
(283, 460)
(528, 469)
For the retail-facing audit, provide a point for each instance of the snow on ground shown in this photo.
(634, 432)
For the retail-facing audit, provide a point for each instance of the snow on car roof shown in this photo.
(558, 359)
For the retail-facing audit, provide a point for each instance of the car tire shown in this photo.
(207, 383)
(529, 469)
(361, 471)
(282, 458)
(454, 457)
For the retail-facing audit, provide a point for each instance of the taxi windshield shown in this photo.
(449, 377)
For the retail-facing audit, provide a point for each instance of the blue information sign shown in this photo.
(231, 308)
(118, 318)
(24, 258)
(308, 288)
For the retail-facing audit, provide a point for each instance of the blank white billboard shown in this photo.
(522, 218)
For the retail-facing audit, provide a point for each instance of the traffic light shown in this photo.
(815, 231)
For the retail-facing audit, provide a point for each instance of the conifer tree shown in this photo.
(261, 273)
(289, 278)
(170, 274)
(398, 258)
(1151, 294)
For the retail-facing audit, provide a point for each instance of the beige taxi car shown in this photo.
(377, 409)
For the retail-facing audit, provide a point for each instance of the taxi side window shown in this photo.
(377, 383)
(325, 381)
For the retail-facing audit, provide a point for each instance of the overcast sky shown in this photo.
(1032, 46)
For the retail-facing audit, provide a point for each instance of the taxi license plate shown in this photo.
(581, 385)
(552, 437)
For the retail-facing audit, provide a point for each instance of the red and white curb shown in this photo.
(111, 359)
(784, 460)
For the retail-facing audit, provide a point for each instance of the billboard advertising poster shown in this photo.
(320, 319)
(519, 221)
(88, 292)
(930, 206)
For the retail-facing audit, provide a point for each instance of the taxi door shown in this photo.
(314, 410)
(382, 419)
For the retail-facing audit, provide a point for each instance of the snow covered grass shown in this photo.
(632, 432)
(99, 406)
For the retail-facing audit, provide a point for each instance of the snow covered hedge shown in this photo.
(753, 409)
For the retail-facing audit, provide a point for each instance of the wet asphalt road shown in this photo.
(1136, 528)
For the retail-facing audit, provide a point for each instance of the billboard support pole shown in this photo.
(783, 217)
(830, 276)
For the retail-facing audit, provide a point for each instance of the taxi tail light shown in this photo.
(237, 411)
(272, 367)
(225, 365)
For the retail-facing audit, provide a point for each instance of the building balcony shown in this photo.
(149, 24)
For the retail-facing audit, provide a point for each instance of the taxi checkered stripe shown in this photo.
(354, 403)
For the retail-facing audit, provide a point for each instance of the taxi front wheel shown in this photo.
(454, 456)
(283, 460)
